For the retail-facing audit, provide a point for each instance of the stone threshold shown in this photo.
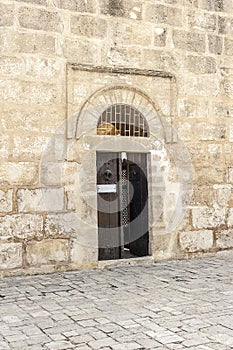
(126, 262)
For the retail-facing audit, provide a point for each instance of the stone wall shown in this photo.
(192, 40)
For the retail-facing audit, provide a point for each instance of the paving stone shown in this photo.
(169, 305)
(59, 345)
(127, 346)
(97, 344)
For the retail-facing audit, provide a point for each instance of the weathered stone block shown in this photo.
(28, 148)
(21, 226)
(18, 173)
(7, 43)
(228, 47)
(51, 174)
(227, 86)
(189, 41)
(215, 44)
(11, 66)
(77, 6)
(29, 92)
(38, 2)
(122, 8)
(230, 174)
(88, 26)
(71, 196)
(63, 224)
(47, 252)
(198, 153)
(10, 90)
(84, 254)
(210, 132)
(230, 218)
(223, 110)
(160, 36)
(228, 153)
(201, 20)
(205, 177)
(122, 56)
(195, 241)
(39, 19)
(157, 13)
(217, 5)
(44, 68)
(35, 43)
(231, 132)
(185, 132)
(161, 60)
(224, 239)
(6, 204)
(69, 172)
(227, 65)
(206, 217)
(203, 195)
(189, 3)
(205, 86)
(7, 15)
(225, 25)
(4, 147)
(215, 151)
(10, 255)
(80, 51)
(36, 119)
(201, 64)
(193, 108)
(43, 199)
(124, 33)
(223, 194)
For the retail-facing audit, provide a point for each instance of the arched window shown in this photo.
(122, 119)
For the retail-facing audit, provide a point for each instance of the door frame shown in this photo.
(148, 178)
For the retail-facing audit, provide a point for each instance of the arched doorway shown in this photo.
(122, 187)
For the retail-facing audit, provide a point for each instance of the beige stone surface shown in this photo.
(224, 239)
(204, 217)
(50, 107)
(18, 173)
(21, 226)
(10, 255)
(68, 224)
(47, 252)
(42, 199)
(6, 201)
(195, 241)
(230, 217)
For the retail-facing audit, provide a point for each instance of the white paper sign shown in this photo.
(108, 188)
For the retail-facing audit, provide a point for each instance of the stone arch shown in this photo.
(97, 103)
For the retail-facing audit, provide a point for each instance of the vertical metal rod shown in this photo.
(134, 120)
(121, 211)
(143, 126)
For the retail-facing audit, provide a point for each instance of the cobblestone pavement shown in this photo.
(168, 305)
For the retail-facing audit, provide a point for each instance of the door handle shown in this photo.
(107, 174)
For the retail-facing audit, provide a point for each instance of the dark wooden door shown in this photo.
(138, 206)
(122, 215)
(108, 206)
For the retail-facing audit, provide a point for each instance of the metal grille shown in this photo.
(124, 199)
(124, 120)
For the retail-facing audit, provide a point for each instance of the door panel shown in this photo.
(108, 207)
(139, 236)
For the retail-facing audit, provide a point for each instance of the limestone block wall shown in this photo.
(192, 40)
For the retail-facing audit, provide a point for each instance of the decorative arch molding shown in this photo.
(87, 119)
